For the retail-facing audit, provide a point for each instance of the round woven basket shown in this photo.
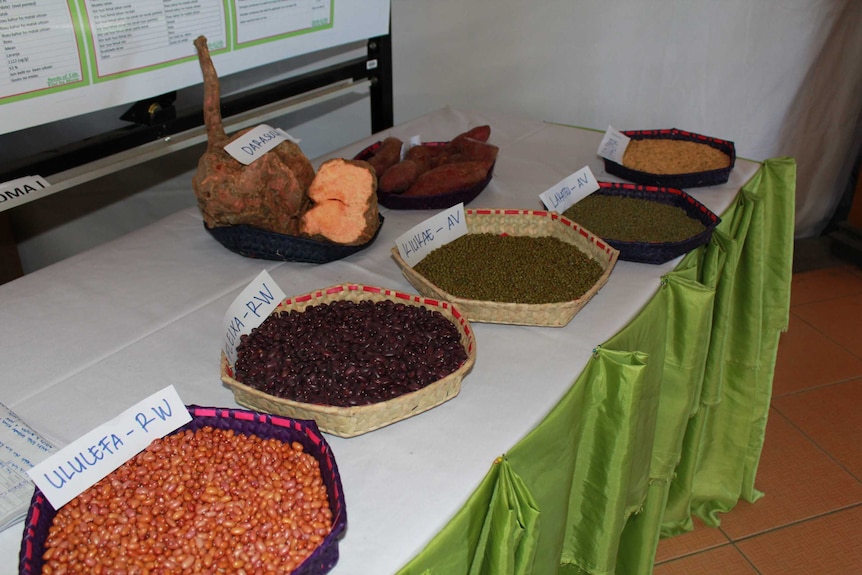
(690, 180)
(252, 242)
(41, 513)
(437, 202)
(531, 223)
(660, 252)
(359, 419)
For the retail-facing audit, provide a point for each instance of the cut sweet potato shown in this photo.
(344, 203)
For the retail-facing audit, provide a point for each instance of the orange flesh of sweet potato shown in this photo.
(344, 203)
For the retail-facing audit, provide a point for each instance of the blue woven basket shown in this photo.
(438, 202)
(322, 560)
(256, 243)
(692, 180)
(659, 252)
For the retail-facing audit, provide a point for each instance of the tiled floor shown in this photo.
(810, 520)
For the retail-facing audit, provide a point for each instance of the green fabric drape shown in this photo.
(665, 423)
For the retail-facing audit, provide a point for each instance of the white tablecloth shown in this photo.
(88, 337)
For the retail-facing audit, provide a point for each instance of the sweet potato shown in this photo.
(344, 203)
(471, 149)
(400, 177)
(269, 193)
(479, 133)
(386, 156)
(422, 155)
(449, 178)
(464, 147)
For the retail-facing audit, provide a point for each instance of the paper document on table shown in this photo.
(20, 449)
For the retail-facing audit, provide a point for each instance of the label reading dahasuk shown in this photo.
(256, 142)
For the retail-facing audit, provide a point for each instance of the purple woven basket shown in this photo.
(256, 243)
(437, 202)
(659, 252)
(321, 560)
(692, 180)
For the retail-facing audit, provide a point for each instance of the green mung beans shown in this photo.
(633, 219)
(513, 269)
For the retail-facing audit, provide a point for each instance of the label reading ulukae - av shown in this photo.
(438, 230)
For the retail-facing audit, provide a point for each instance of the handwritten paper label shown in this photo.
(22, 190)
(256, 142)
(566, 193)
(613, 145)
(248, 311)
(407, 144)
(434, 232)
(82, 463)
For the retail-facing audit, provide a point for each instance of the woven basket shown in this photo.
(359, 419)
(660, 252)
(692, 180)
(437, 202)
(261, 244)
(322, 560)
(530, 223)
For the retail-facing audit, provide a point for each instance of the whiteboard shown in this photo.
(64, 58)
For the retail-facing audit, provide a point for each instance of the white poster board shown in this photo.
(63, 58)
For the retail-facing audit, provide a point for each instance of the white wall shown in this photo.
(778, 77)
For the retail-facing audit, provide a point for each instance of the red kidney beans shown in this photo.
(345, 353)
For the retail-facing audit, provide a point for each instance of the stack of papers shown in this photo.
(20, 449)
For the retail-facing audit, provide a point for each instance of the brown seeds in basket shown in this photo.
(668, 156)
(200, 501)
